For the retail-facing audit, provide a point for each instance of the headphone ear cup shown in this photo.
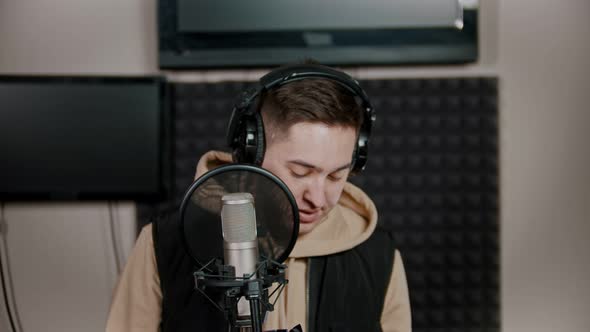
(238, 141)
(260, 139)
(359, 156)
(250, 145)
(248, 140)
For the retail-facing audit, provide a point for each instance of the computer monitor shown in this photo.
(83, 138)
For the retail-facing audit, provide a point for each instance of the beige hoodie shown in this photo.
(136, 304)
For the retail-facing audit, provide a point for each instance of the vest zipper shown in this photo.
(307, 317)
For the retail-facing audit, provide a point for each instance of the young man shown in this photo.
(344, 273)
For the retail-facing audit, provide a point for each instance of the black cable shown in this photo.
(114, 239)
(2, 279)
(255, 314)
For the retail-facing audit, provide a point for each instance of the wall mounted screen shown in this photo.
(81, 137)
(225, 33)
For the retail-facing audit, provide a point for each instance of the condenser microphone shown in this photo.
(240, 243)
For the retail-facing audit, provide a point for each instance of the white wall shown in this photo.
(538, 48)
(78, 36)
(544, 66)
(61, 262)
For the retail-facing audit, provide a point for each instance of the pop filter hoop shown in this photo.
(256, 176)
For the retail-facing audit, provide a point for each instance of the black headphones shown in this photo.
(245, 133)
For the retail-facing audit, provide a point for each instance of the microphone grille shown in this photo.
(238, 217)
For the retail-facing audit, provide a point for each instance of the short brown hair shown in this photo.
(312, 100)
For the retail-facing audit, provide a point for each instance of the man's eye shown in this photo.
(299, 174)
(335, 177)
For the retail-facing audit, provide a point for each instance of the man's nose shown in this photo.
(315, 193)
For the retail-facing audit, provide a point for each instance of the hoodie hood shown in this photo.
(348, 224)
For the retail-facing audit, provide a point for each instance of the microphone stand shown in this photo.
(222, 279)
(253, 295)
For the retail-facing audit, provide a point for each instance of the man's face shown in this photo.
(313, 159)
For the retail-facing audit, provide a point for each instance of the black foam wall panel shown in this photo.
(432, 172)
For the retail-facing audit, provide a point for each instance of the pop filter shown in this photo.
(277, 216)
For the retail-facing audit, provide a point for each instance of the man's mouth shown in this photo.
(307, 217)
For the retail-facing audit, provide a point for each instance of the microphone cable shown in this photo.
(4, 280)
(116, 250)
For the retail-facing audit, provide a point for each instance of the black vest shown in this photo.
(346, 290)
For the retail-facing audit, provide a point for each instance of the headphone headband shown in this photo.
(245, 133)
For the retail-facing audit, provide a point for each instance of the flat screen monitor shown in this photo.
(82, 138)
(259, 33)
